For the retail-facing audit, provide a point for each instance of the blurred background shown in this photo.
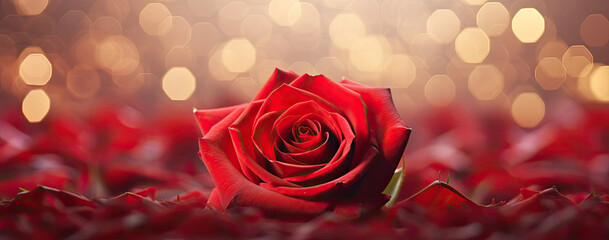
(96, 96)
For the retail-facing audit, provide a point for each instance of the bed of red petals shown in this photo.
(119, 173)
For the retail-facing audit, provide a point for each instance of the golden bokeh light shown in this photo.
(370, 53)
(595, 30)
(306, 24)
(257, 29)
(472, 45)
(231, 16)
(412, 15)
(36, 105)
(400, 71)
(179, 83)
(443, 25)
(36, 69)
(31, 7)
(217, 68)
(238, 55)
(345, 29)
(440, 90)
(485, 82)
(555, 48)
(117, 55)
(475, 2)
(285, 12)
(582, 85)
(151, 17)
(550, 73)
(83, 81)
(106, 25)
(528, 25)
(576, 61)
(599, 83)
(493, 18)
(528, 109)
(202, 8)
(178, 31)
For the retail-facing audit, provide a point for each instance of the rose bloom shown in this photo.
(304, 145)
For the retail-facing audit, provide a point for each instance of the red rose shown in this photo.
(304, 145)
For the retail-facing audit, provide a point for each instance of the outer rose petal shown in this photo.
(209, 117)
(234, 190)
(391, 133)
(278, 78)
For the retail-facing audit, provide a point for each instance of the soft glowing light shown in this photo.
(117, 55)
(202, 8)
(178, 31)
(218, 69)
(36, 105)
(528, 25)
(370, 53)
(554, 48)
(528, 109)
(35, 69)
(472, 45)
(257, 29)
(151, 17)
(475, 2)
(307, 24)
(443, 25)
(400, 71)
(281, 11)
(599, 83)
(576, 60)
(83, 81)
(440, 90)
(595, 30)
(231, 16)
(485, 82)
(238, 55)
(550, 74)
(345, 29)
(179, 83)
(31, 7)
(493, 18)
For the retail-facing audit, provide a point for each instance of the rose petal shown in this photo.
(283, 169)
(264, 134)
(338, 165)
(350, 102)
(391, 133)
(278, 78)
(234, 190)
(286, 96)
(338, 187)
(321, 154)
(241, 131)
(390, 129)
(217, 134)
(207, 118)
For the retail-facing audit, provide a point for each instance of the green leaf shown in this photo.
(394, 186)
(23, 189)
